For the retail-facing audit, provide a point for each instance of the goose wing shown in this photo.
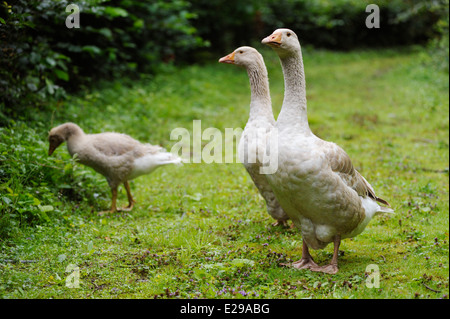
(115, 144)
(341, 164)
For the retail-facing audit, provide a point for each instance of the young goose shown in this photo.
(116, 156)
(316, 183)
(252, 144)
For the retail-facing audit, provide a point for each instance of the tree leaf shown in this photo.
(106, 32)
(6, 200)
(50, 61)
(138, 24)
(50, 86)
(36, 202)
(45, 208)
(116, 12)
(63, 75)
(92, 49)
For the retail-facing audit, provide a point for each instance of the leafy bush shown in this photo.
(40, 57)
(33, 186)
(335, 24)
(226, 23)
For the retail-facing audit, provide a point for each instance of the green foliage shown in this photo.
(329, 24)
(34, 187)
(41, 58)
(226, 24)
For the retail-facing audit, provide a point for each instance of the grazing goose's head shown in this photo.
(61, 133)
(283, 41)
(243, 56)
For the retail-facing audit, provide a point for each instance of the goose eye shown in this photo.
(241, 52)
(288, 34)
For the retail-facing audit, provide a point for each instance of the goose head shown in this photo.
(243, 56)
(60, 134)
(283, 41)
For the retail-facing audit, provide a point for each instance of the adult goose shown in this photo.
(252, 145)
(316, 183)
(116, 156)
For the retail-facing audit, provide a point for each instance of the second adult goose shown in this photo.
(116, 156)
(252, 145)
(316, 183)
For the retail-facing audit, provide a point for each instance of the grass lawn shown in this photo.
(201, 230)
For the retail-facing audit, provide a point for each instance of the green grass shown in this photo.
(201, 230)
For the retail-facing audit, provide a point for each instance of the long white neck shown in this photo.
(260, 103)
(293, 112)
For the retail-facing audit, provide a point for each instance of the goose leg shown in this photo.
(130, 198)
(306, 262)
(332, 268)
(113, 202)
(282, 223)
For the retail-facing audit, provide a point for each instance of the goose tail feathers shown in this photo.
(384, 209)
(382, 201)
(165, 158)
(148, 163)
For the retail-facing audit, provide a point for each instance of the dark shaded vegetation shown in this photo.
(40, 58)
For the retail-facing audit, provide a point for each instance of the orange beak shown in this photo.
(273, 40)
(228, 58)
